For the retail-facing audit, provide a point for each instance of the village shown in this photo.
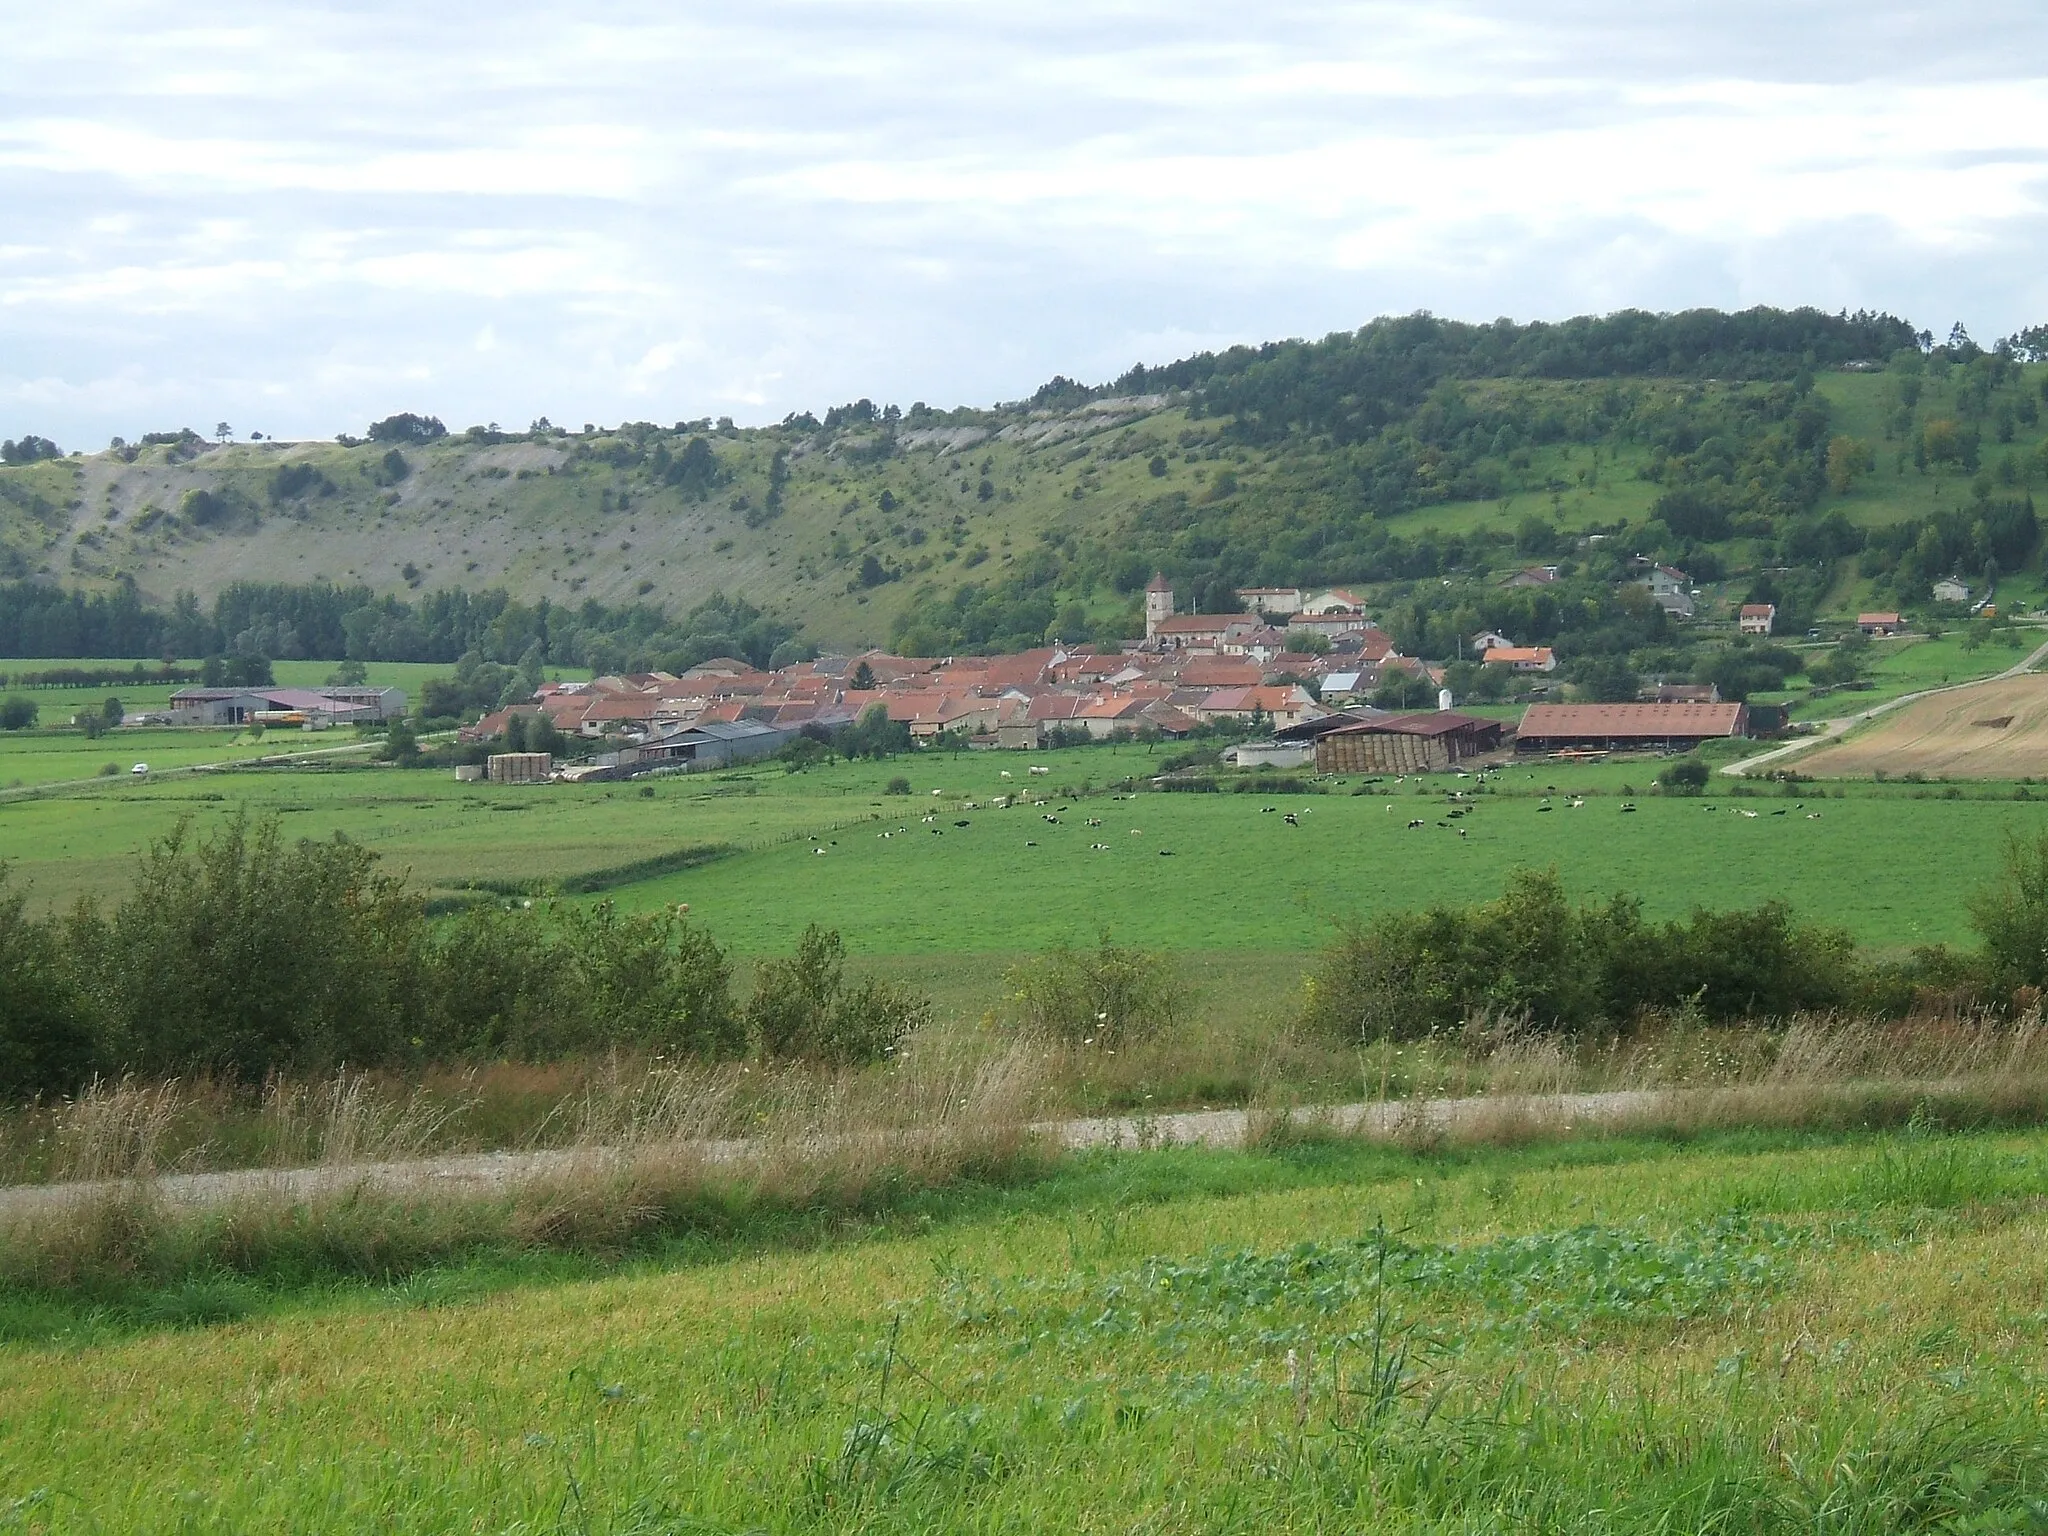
(1289, 678)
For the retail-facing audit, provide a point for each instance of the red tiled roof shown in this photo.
(1648, 721)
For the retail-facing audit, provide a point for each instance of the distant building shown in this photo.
(313, 706)
(1670, 589)
(1879, 623)
(1158, 603)
(1757, 618)
(1628, 727)
(1279, 601)
(716, 744)
(1332, 600)
(1490, 640)
(1522, 658)
(1951, 590)
(1408, 743)
(1532, 576)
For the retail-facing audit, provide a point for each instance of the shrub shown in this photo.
(898, 786)
(1687, 776)
(2011, 917)
(17, 712)
(1105, 996)
(243, 953)
(802, 1006)
(1531, 955)
(47, 1043)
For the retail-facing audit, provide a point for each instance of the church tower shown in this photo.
(1158, 603)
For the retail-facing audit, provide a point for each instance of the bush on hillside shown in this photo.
(2011, 917)
(46, 1040)
(243, 954)
(1531, 955)
(803, 1006)
(1104, 996)
(1687, 776)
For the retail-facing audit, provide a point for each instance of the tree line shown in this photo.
(320, 621)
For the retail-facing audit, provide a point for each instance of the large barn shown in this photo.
(1628, 727)
(1436, 740)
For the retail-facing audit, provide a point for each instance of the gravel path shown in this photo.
(490, 1172)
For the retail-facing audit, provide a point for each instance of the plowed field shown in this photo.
(1993, 730)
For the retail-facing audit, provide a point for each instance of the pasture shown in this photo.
(1763, 1333)
(1189, 872)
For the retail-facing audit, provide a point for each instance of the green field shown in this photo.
(1756, 1334)
(1893, 864)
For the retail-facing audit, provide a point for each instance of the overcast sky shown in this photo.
(299, 218)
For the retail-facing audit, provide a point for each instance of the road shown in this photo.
(1835, 729)
(487, 1173)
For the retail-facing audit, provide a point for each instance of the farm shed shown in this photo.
(1626, 727)
(1408, 743)
(716, 743)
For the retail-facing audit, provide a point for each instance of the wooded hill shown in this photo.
(1835, 457)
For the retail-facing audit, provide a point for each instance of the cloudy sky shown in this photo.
(297, 218)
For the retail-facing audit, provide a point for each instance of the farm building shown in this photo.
(1628, 727)
(715, 744)
(323, 706)
(1408, 743)
(1951, 589)
(1757, 618)
(1880, 623)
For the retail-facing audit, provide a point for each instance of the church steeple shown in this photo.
(1158, 603)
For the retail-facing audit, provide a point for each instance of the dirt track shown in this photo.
(1990, 730)
(494, 1172)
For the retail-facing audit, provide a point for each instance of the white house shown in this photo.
(1757, 618)
(1951, 590)
(1332, 600)
(1490, 640)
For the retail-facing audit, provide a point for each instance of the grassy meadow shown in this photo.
(1755, 1332)
(1187, 872)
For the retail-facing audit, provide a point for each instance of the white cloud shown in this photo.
(626, 211)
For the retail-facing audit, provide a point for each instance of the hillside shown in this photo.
(1808, 448)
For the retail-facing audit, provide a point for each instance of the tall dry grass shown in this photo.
(663, 1151)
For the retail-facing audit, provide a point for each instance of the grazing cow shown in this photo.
(1137, 832)
(1094, 821)
(1545, 807)
(1006, 773)
(1036, 772)
(961, 823)
(1413, 825)
(1628, 810)
(1461, 831)
(1029, 844)
(1813, 815)
(1098, 847)
(1166, 853)
(1778, 813)
(1291, 819)
(819, 851)
(1267, 810)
